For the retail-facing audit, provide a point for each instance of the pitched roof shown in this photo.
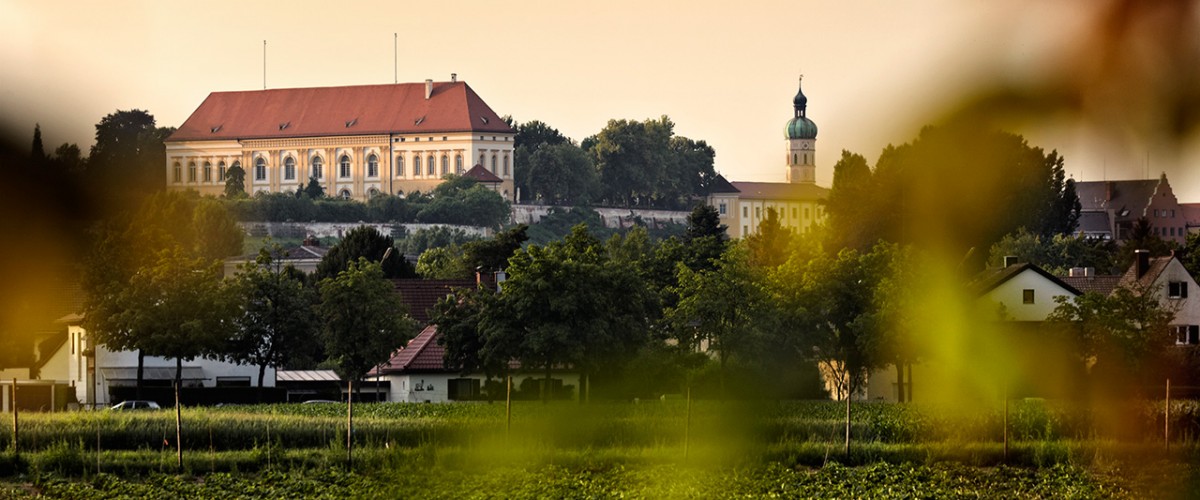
(421, 354)
(1102, 284)
(1094, 222)
(481, 174)
(420, 295)
(337, 111)
(780, 191)
(722, 185)
(989, 279)
(1132, 195)
(1191, 213)
(1157, 266)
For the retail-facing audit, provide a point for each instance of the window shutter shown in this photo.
(1193, 334)
(1183, 289)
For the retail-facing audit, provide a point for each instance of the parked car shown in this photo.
(136, 405)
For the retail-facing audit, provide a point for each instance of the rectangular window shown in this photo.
(757, 212)
(1187, 334)
(806, 213)
(745, 230)
(721, 209)
(746, 212)
(1027, 296)
(1177, 289)
(793, 212)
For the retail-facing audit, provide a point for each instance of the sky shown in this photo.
(724, 72)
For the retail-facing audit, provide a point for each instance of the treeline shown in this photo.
(627, 164)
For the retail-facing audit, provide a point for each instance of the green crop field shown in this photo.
(565, 450)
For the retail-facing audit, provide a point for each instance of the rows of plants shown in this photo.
(567, 425)
(880, 480)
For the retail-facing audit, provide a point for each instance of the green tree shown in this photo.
(217, 234)
(459, 200)
(1058, 253)
(363, 320)
(313, 189)
(769, 246)
(443, 263)
(693, 164)
(235, 182)
(1143, 237)
(494, 254)
(1121, 336)
(276, 318)
(530, 137)
(705, 238)
(630, 157)
(365, 242)
(128, 157)
(69, 158)
(721, 310)
(561, 174)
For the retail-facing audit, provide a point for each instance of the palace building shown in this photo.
(355, 141)
(743, 205)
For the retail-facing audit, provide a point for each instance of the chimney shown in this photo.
(428, 89)
(1142, 261)
(453, 77)
(1108, 191)
(1010, 260)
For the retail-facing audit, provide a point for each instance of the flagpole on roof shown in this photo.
(395, 58)
(264, 65)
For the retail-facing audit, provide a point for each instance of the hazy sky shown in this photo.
(725, 72)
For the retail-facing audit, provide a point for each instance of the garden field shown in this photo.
(648, 450)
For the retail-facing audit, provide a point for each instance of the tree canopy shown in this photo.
(363, 320)
(365, 242)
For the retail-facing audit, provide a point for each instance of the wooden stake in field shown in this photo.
(687, 423)
(1167, 418)
(178, 431)
(849, 392)
(349, 423)
(1006, 421)
(16, 428)
(508, 408)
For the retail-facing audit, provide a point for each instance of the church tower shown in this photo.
(801, 134)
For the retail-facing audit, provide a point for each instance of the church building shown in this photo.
(355, 141)
(743, 205)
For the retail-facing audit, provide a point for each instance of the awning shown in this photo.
(153, 373)
(306, 376)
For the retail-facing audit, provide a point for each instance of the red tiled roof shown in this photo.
(481, 174)
(1102, 284)
(420, 295)
(780, 191)
(332, 111)
(421, 354)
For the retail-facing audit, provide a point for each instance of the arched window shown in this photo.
(458, 164)
(494, 171)
(481, 162)
(289, 168)
(260, 169)
(399, 166)
(793, 158)
(417, 166)
(345, 194)
(221, 172)
(344, 166)
(191, 171)
(430, 166)
(207, 171)
(445, 164)
(506, 165)
(177, 173)
(318, 167)
(806, 158)
(372, 165)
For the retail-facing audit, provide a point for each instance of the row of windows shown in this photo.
(316, 167)
(795, 158)
(177, 172)
(1164, 213)
(1170, 231)
(758, 212)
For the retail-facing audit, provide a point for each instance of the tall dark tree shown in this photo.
(769, 246)
(693, 166)
(630, 157)
(365, 242)
(561, 174)
(235, 182)
(848, 205)
(313, 189)
(705, 238)
(531, 136)
(129, 158)
(69, 158)
(38, 152)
